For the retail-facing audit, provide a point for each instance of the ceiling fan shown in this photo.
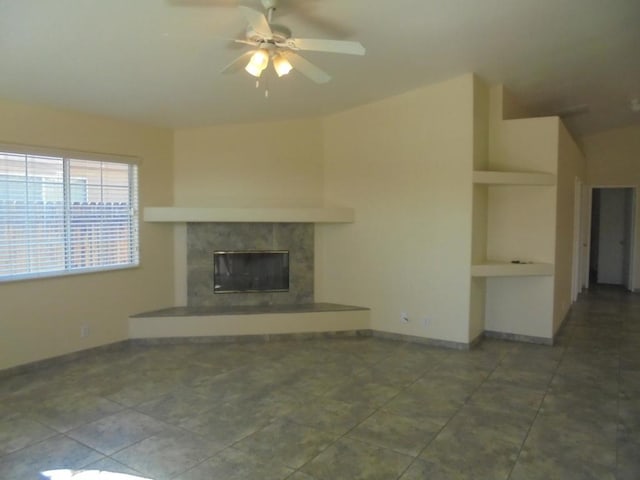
(273, 42)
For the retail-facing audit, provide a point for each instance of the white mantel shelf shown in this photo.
(268, 215)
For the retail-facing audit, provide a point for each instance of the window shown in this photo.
(62, 215)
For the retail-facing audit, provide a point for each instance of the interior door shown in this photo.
(611, 239)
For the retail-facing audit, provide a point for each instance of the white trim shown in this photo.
(67, 273)
(70, 154)
(587, 271)
(632, 239)
(577, 230)
(585, 236)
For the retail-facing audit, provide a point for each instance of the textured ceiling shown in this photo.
(159, 61)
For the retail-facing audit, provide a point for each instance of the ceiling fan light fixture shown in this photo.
(274, 42)
(281, 65)
(258, 62)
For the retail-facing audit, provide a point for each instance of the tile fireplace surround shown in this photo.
(204, 238)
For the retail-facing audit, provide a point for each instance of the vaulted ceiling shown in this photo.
(159, 61)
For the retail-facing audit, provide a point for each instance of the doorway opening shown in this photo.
(611, 236)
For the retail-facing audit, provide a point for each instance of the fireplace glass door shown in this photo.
(250, 271)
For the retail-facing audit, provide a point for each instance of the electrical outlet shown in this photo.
(426, 321)
(84, 331)
(404, 317)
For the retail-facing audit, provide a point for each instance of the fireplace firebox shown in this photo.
(241, 271)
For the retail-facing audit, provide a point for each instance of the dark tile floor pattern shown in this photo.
(342, 408)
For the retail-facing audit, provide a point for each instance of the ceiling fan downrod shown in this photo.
(270, 7)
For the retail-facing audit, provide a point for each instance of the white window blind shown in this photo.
(62, 215)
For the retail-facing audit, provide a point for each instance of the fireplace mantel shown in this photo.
(275, 215)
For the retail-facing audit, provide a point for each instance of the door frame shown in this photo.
(576, 281)
(632, 232)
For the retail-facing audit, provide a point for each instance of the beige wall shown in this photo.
(276, 164)
(613, 159)
(397, 162)
(405, 165)
(42, 318)
(522, 219)
(571, 165)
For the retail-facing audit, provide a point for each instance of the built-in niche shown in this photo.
(205, 238)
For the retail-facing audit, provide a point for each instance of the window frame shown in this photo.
(133, 190)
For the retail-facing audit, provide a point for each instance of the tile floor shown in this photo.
(342, 408)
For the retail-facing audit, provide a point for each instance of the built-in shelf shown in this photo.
(507, 269)
(284, 215)
(483, 177)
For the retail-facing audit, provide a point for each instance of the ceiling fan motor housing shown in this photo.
(280, 34)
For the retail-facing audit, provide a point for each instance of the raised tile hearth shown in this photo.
(230, 322)
(247, 310)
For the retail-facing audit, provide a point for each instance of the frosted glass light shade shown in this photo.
(281, 65)
(259, 61)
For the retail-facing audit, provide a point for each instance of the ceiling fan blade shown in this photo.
(237, 63)
(246, 42)
(257, 21)
(321, 45)
(307, 68)
(308, 11)
(236, 43)
(203, 3)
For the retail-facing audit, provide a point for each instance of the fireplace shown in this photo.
(238, 271)
(203, 239)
